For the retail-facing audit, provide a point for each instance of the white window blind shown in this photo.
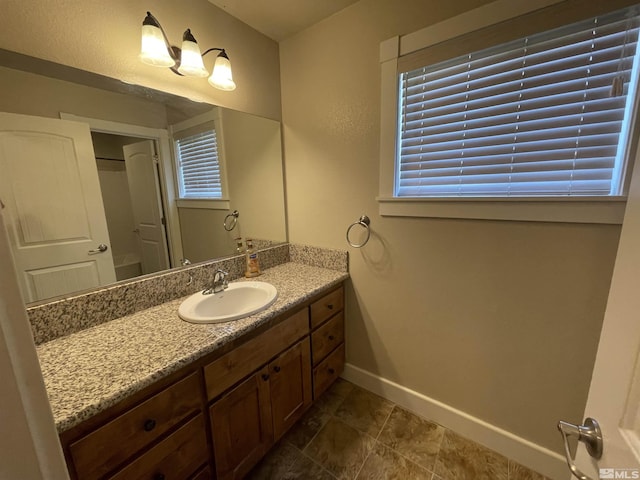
(547, 115)
(199, 166)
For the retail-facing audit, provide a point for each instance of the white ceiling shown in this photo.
(279, 19)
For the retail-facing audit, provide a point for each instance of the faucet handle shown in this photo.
(220, 282)
(221, 276)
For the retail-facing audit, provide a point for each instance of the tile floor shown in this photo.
(352, 434)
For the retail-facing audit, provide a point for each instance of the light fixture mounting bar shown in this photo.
(216, 49)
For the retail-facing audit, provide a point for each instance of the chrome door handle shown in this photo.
(589, 434)
(101, 249)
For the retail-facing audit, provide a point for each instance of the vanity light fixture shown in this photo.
(186, 61)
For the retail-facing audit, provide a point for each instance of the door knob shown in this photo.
(101, 249)
(589, 434)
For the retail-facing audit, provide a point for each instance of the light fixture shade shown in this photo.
(191, 64)
(221, 76)
(154, 50)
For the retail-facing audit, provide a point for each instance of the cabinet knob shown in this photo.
(265, 377)
(330, 306)
(149, 425)
(276, 369)
(159, 476)
(332, 371)
(331, 337)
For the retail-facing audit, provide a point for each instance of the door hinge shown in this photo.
(156, 159)
(163, 221)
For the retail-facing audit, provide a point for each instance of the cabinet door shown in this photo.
(290, 382)
(242, 427)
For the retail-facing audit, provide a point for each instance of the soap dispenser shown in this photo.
(253, 265)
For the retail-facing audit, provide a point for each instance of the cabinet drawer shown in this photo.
(108, 446)
(177, 456)
(248, 357)
(327, 306)
(327, 337)
(327, 371)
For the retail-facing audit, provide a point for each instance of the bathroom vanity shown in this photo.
(151, 396)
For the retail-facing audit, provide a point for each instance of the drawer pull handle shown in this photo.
(331, 371)
(149, 425)
(331, 337)
(159, 476)
(330, 306)
(276, 369)
(265, 377)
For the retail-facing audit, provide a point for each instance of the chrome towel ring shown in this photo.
(231, 224)
(364, 222)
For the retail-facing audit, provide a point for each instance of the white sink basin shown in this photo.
(240, 300)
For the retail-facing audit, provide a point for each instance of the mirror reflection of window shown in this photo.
(199, 172)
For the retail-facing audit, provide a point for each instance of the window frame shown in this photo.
(193, 126)
(582, 209)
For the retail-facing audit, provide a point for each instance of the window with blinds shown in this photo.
(199, 174)
(546, 115)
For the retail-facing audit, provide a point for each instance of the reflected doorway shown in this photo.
(132, 197)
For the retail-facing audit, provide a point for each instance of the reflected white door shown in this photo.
(614, 395)
(142, 175)
(54, 213)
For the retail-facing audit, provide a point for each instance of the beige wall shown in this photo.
(104, 38)
(203, 237)
(31, 94)
(498, 319)
(253, 151)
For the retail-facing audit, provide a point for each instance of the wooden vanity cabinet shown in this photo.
(219, 416)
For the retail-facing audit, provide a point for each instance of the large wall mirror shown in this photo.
(89, 178)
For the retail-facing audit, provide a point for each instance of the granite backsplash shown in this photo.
(72, 314)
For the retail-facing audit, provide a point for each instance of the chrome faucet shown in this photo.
(219, 284)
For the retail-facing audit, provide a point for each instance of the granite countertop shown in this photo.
(89, 371)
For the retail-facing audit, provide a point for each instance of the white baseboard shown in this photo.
(529, 454)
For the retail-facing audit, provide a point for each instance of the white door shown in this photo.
(614, 395)
(142, 175)
(54, 213)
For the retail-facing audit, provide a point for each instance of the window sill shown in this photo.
(608, 210)
(211, 204)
